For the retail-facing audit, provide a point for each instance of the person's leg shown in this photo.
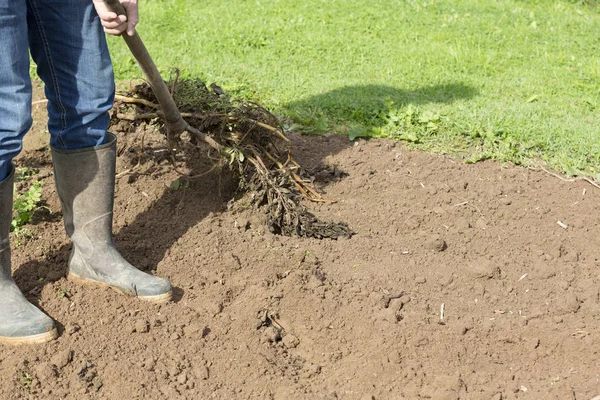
(15, 86)
(69, 45)
(20, 321)
(86, 194)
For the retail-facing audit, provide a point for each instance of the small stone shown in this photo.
(420, 280)
(461, 225)
(506, 201)
(438, 210)
(71, 329)
(174, 336)
(193, 330)
(38, 253)
(446, 280)
(173, 370)
(272, 334)
(481, 223)
(62, 358)
(242, 224)
(182, 379)
(421, 342)
(97, 383)
(571, 303)
(483, 269)
(571, 256)
(149, 364)
(290, 341)
(142, 326)
(215, 307)
(45, 371)
(202, 372)
(311, 371)
(437, 244)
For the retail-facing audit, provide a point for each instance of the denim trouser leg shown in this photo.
(68, 45)
(15, 86)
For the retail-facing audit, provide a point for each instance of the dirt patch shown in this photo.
(260, 316)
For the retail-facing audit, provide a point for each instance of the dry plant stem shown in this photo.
(299, 187)
(202, 136)
(260, 166)
(314, 196)
(121, 174)
(131, 100)
(306, 190)
(133, 117)
(581, 178)
(258, 161)
(261, 124)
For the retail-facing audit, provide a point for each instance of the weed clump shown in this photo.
(254, 146)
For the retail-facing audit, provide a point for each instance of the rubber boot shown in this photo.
(85, 182)
(20, 321)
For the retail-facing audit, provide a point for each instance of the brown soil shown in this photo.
(258, 316)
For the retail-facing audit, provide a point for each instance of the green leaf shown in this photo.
(358, 131)
(176, 184)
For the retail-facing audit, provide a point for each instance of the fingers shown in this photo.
(132, 15)
(114, 24)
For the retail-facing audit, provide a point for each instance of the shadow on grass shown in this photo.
(367, 106)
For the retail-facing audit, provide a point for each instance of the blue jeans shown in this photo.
(68, 45)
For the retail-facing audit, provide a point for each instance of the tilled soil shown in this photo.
(459, 284)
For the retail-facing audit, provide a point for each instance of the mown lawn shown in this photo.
(505, 79)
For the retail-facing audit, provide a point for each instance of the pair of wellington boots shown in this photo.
(85, 184)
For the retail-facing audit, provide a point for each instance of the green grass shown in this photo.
(504, 79)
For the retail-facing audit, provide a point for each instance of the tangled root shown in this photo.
(254, 146)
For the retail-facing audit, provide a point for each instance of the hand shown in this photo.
(117, 24)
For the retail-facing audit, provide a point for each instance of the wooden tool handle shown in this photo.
(175, 124)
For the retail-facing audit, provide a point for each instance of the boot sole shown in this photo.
(33, 339)
(160, 298)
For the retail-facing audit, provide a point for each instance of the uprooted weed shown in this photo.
(254, 147)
